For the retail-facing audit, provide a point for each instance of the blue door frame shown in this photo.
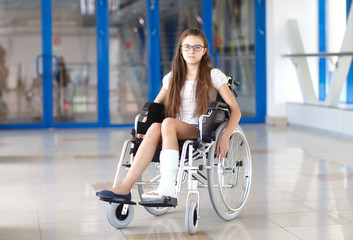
(260, 63)
(47, 63)
(349, 90)
(322, 48)
(103, 62)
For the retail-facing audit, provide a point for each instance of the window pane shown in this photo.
(74, 43)
(128, 61)
(20, 43)
(234, 43)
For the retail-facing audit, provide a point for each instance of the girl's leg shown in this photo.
(172, 130)
(142, 159)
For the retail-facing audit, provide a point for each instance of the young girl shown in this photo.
(186, 93)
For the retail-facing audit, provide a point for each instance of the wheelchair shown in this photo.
(228, 180)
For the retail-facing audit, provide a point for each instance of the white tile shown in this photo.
(323, 194)
(348, 214)
(20, 230)
(334, 204)
(329, 232)
(72, 216)
(263, 234)
(243, 221)
(99, 230)
(156, 226)
(306, 219)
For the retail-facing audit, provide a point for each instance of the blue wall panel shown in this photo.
(322, 48)
(260, 58)
(350, 74)
(47, 63)
(154, 76)
(207, 22)
(103, 62)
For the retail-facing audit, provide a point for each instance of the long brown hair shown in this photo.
(204, 83)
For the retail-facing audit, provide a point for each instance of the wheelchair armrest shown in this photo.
(218, 112)
(218, 105)
(151, 112)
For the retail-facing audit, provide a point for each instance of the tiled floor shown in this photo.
(302, 188)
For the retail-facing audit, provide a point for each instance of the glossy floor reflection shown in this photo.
(302, 188)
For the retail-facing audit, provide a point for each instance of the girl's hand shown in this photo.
(222, 146)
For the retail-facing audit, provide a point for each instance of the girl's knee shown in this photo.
(168, 125)
(154, 130)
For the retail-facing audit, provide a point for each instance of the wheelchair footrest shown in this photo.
(117, 200)
(163, 202)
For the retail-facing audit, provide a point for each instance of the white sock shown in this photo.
(169, 160)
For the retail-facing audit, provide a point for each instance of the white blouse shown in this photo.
(188, 102)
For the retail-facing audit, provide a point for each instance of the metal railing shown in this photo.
(320, 54)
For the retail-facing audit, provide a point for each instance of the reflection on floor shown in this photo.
(302, 188)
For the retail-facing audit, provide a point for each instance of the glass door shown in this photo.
(74, 87)
(234, 43)
(128, 87)
(21, 89)
(239, 44)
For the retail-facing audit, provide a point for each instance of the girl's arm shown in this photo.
(161, 96)
(235, 114)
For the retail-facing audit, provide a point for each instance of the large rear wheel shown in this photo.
(229, 179)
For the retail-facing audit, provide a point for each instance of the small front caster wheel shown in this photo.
(119, 217)
(191, 217)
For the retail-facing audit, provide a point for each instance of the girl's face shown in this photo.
(193, 49)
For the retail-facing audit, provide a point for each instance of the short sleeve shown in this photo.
(166, 80)
(218, 78)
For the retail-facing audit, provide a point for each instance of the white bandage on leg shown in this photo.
(169, 160)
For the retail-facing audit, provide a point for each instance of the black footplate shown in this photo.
(163, 202)
(116, 200)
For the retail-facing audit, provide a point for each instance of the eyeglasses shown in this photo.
(187, 47)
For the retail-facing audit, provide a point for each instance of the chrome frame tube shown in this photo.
(122, 156)
(182, 166)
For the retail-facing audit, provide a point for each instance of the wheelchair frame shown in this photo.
(120, 212)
